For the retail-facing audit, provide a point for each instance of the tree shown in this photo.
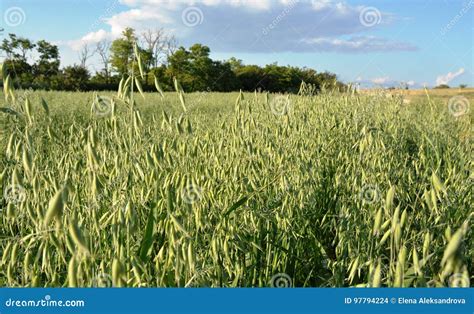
(103, 50)
(46, 69)
(179, 65)
(442, 86)
(250, 77)
(156, 42)
(462, 86)
(122, 52)
(84, 55)
(16, 50)
(75, 77)
(171, 46)
(196, 70)
(193, 67)
(223, 78)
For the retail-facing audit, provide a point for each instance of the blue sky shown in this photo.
(370, 42)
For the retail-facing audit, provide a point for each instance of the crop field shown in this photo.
(235, 190)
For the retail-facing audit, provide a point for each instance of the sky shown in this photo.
(372, 43)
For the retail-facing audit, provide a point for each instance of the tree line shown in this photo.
(161, 58)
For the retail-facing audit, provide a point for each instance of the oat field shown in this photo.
(235, 190)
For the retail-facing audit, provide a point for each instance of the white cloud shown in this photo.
(173, 4)
(380, 80)
(137, 18)
(90, 38)
(254, 25)
(321, 4)
(445, 79)
(357, 44)
(385, 82)
(339, 6)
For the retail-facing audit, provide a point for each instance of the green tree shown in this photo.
(250, 77)
(75, 78)
(179, 66)
(46, 69)
(16, 50)
(196, 71)
(122, 52)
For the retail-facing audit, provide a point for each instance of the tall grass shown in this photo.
(334, 190)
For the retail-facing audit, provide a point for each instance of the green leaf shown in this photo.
(140, 66)
(139, 86)
(158, 87)
(177, 86)
(44, 104)
(236, 205)
(9, 111)
(147, 240)
(183, 102)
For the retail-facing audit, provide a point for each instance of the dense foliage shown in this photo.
(193, 67)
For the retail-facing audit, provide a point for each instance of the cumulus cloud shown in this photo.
(90, 38)
(445, 79)
(256, 25)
